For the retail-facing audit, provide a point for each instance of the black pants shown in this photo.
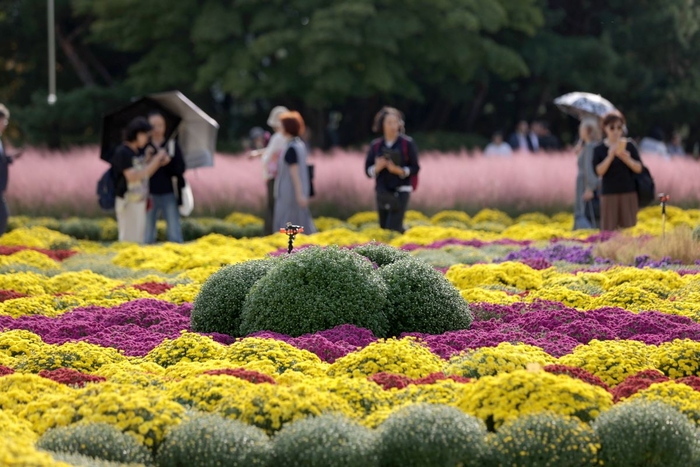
(393, 219)
(4, 214)
(270, 211)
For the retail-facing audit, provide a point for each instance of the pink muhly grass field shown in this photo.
(63, 183)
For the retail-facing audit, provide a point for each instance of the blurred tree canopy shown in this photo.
(456, 67)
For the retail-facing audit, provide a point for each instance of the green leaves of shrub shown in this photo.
(645, 434)
(381, 254)
(219, 304)
(424, 435)
(325, 441)
(317, 289)
(214, 441)
(545, 440)
(98, 440)
(422, 300)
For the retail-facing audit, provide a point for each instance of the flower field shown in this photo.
(556, 352)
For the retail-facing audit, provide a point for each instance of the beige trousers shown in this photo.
(131, 220)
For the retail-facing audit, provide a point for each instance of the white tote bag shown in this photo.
(187, 201)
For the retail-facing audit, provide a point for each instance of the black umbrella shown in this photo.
(114, 123)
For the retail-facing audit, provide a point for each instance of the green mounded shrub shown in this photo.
(317, 289)
(84, 461)
(425, 435)
(219, 303)
(325, 441)
(696, 233)
(234, 230)
(544, 440)
(82, 229)
(213, 441)
(192, 229)
(422, 300)
(98, 440)
(645, 434)
(381, 253)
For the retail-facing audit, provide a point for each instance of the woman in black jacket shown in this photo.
(392, 161)
(616, 160)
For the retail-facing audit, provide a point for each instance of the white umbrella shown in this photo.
(583, 104)
(197, 130)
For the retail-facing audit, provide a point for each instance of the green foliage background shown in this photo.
(459, 68)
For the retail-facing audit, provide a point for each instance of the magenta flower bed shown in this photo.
(137, 327)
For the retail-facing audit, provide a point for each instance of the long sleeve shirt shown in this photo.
(385, 180)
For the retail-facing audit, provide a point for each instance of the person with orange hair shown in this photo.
(293, 182)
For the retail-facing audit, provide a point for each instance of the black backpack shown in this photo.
(106, 190)
(646, 189)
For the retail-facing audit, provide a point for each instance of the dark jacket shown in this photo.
(619, 178)
(5, 161)
(387, 181)
(514, 142)
(161, 181)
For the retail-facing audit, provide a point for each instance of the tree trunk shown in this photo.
(79, 66)
(96, 64)
(477, 105)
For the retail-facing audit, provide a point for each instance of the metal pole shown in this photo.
(52, 53)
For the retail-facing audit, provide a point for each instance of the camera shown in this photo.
(392, 155)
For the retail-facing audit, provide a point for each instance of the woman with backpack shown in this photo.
(392, 161)
(293, 180)
(616, 160)
(133, 170)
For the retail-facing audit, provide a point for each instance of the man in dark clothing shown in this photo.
(523, 139)
(165, 195)
(5, 161)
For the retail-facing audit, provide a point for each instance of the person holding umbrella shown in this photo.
(161, 187)
(587, 182)
(5, 161)
(616, 160)
(133, 171)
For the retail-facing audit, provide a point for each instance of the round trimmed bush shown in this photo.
(213, 441)
(543, 440)
(98, 440)
(325, 441)
(218, 306)
(316, 289)
(380, 253)
(424, 435)
(642, 433)
(422, 300)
